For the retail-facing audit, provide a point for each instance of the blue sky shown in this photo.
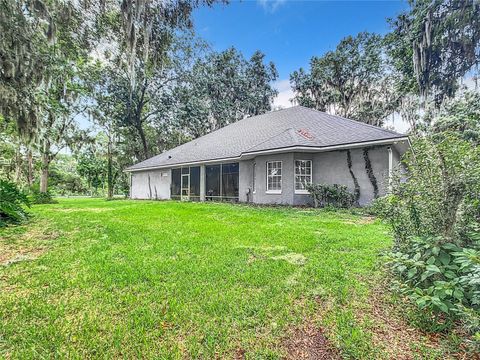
(290, 32)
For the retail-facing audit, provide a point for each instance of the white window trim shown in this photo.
(268, 191)
(273, 192)
(301, 192)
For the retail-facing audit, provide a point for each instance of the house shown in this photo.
(269, 158)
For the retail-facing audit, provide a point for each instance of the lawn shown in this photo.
(89, 278)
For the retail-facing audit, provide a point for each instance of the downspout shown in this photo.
(390, 168)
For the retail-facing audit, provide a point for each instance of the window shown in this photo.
(230, 180)
(212, 178)
(222, 182)
(176, 183)
(188, 179)
(303, 175)
(274, 177)
(195, 183)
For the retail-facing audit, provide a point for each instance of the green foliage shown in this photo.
(443, 280)
(38, 197)
(461, 116)
(336, 196)
(440, 195)
(353, 79)
(434, 211)
(12, 203)
(434, 44)
(439, 276)
(224, 88)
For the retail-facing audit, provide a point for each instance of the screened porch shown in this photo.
(219, 182)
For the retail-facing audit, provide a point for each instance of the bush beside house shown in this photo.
(435, 217)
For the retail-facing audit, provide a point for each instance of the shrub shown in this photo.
(439, 276)
(435, 216)
(335, 195)
(12, 203)
(41, 197)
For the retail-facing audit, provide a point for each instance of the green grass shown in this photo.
(183, 280)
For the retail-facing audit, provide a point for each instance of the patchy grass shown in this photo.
(90, 278)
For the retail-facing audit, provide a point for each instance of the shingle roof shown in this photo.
(295, 126)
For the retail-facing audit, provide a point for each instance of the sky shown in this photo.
(290, 32)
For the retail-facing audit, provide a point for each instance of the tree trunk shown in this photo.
(109, 171)
(18, 164)
(44, 175)
(144, 141)
(30, 167)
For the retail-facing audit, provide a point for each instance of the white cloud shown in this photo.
(270, 6)
(285, 94)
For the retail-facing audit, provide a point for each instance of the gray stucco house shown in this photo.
(268, 159)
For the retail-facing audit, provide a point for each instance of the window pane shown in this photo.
(176, 181)
(303, 171)
(195, 181)
(212, 176)
(230, 180)
(274, 175)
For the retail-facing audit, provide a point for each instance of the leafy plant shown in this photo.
(39, 197)
(434, 212)
(12, 203)
(335, 195)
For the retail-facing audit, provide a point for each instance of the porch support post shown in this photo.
(202, 182)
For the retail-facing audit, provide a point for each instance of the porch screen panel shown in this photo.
(212, 181)
(230, 180)
(176, 183)
(195, 183)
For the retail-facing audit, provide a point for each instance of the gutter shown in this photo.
(303, 148)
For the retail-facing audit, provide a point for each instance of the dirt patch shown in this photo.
(93, 210)
(23, 255)
(365, 220)
(309, 343)
(292, 258)
(27, 246)
(390, 331)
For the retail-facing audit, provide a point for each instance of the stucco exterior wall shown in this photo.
(327, 167)
(286, 196)
(152, 184)
(245, 181)
(332, 168)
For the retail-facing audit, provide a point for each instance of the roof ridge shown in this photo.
(351, 120)
(272, 137)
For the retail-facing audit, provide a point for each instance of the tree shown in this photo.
(224, 88)
(434, 44)
(92, 165)
(147, 37)
(137, 114)
(64, 178)
(8, 140)
(460, 116)
(352, 81)
(62, 102)
(44, 47)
